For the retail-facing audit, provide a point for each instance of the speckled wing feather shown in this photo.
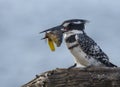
(90, 47)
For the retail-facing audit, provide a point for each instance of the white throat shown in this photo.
(72, 32)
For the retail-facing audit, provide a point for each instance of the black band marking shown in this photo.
(73, 46)
(71, 39)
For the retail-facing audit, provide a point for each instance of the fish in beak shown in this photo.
(53, 35)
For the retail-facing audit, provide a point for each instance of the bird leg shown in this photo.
(72, 66)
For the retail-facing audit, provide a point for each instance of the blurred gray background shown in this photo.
(23, 54)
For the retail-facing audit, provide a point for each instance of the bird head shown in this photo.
(55, 34)
(74, 24)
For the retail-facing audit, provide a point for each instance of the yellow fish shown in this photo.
(53, 37)
(51, 44)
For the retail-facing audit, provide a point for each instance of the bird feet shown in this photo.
(72, 66)
(82, 68)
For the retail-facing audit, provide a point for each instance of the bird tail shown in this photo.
(111, 65)
(107, 63)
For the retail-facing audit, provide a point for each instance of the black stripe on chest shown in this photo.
(70, 39)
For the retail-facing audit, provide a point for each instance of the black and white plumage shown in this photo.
(84, 49)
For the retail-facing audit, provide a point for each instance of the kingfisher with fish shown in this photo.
(85, 50)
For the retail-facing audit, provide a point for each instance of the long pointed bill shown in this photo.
(52, 29)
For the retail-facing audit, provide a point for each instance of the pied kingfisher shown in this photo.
(85, 50)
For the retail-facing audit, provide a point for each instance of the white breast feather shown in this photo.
(80, 57)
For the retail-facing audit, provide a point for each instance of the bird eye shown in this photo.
(65, 28)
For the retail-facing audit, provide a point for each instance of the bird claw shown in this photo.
(73, 66)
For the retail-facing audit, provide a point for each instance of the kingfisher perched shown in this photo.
(85, 50)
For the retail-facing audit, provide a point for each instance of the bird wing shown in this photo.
(90, 47)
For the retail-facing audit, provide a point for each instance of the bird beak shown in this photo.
(59, 27)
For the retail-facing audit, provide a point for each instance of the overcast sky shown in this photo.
(23, 54)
